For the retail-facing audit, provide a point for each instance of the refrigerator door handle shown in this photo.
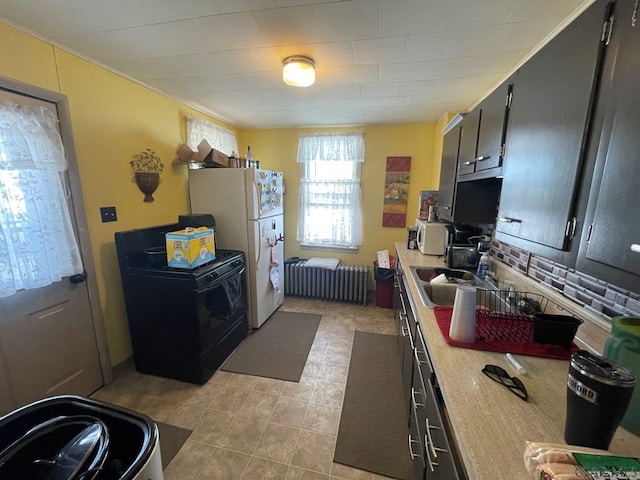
(258, 240)
(256, 191)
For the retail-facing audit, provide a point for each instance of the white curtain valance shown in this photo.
(337, 147)
(29, 138)
(219, 137)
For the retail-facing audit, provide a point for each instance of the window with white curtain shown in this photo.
(329, 207)
(220, 138)
(37, 242)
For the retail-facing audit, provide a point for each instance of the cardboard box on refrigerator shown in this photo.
(206, 155)
(191, 247)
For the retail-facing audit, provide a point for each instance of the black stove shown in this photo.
(225, 261)
(183, 322)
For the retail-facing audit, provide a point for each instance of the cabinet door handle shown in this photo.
(413, 397)
(411, 342)
(635, 247)
(483, 157)
(509, 220)
(471, 162)
(404, 330)
(445, 207)
(429, 440)
(416, 353)
(429, 461)
(412, 441)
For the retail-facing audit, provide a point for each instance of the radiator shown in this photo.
(347, 283)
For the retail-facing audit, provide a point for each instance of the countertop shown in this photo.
(490, 424)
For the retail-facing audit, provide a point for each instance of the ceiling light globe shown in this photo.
(299, 71)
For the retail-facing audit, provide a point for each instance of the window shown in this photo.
(37, 242)
(329, 208)
(220, 138)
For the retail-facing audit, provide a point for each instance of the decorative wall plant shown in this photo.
(147, 168)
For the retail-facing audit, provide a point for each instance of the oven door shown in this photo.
(221, 305)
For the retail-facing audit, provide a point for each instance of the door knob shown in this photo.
(78, 278)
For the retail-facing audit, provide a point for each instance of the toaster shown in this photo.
(461, 256)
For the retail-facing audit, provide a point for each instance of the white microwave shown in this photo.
(431, 237)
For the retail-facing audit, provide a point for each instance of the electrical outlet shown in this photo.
(108, 214)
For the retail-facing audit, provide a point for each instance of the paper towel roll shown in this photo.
(463, 318)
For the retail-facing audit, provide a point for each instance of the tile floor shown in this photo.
(247, 427)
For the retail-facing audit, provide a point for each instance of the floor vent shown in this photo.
(347, 283)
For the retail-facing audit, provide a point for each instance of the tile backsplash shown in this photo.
(600, 298)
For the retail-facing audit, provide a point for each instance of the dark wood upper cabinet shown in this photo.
(494, 122)
(483, 135)
(469, 142)
(611, 245)
(464, 202)
(448, 169)
(550, 116)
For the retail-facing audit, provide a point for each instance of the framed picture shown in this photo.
(427, 198)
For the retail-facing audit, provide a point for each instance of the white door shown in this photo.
(265, 268)
(51, 341)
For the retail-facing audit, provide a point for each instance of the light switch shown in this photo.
(108, 214)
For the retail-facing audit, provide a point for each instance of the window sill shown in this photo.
(328, 248)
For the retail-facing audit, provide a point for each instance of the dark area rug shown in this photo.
(278, 349)
(373, 426)
(171, 440)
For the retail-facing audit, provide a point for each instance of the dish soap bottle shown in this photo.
(483, 266)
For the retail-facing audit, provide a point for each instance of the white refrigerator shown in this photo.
(248, 208)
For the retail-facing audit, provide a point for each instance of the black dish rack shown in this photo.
(509, 316)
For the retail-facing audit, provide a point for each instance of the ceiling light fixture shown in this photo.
(299, 71)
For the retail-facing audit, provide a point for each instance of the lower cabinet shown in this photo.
(428, 438)
(404, 332)
(439, 458)
(416, 443)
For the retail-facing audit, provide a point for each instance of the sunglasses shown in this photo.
(500, 375)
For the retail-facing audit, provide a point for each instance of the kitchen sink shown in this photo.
(442, 291)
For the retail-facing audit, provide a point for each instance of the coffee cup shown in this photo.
(598, 394)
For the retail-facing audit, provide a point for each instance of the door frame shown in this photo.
(79, 213)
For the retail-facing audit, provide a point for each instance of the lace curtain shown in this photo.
(330, 206)
(37, 242)
(220, 138)
(336, 147)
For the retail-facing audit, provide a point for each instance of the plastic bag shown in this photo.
(548, 461)
(382, 274)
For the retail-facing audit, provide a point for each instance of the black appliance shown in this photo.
(459, 233)
(184, 323)
(461, 256)
(460, 252)
(76, 438)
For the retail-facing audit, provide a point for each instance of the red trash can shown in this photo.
(384, 283)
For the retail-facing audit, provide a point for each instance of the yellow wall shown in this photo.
(277, 148)
(114, 118)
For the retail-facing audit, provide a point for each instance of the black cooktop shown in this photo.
(131, 246)
(225, 260)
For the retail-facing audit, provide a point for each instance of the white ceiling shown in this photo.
(378, 61)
